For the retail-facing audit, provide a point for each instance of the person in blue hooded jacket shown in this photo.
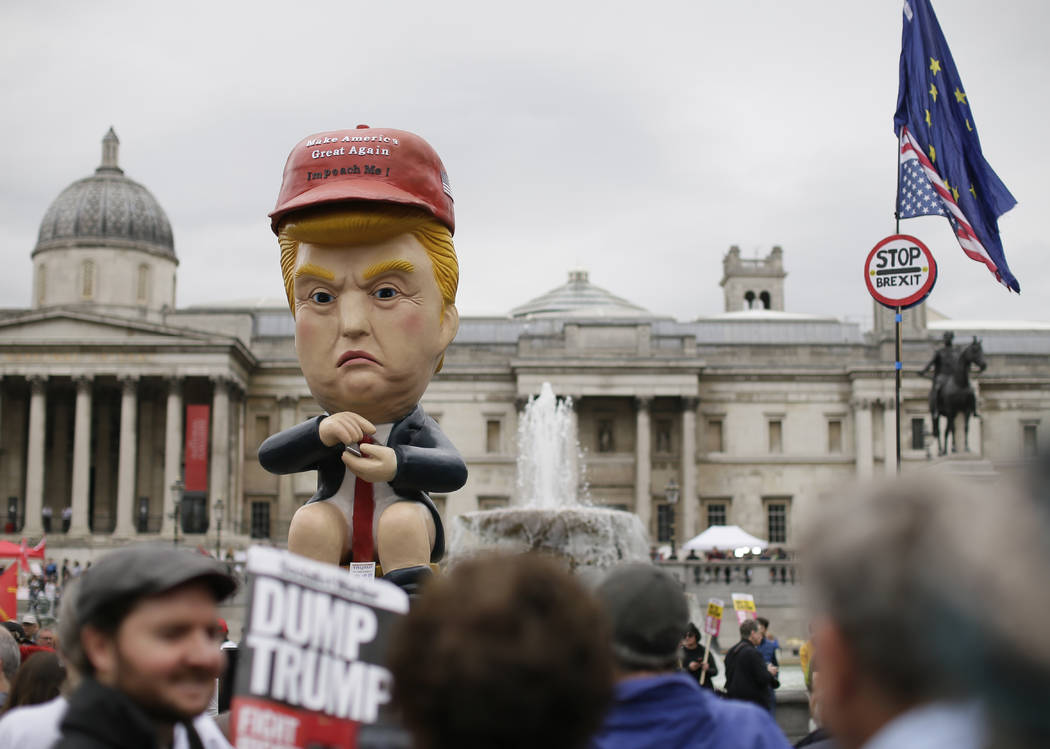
(655, 706)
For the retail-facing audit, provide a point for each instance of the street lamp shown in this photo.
(671, 495)
(176, 501)
(219, 507)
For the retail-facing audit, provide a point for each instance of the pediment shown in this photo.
(72, 328)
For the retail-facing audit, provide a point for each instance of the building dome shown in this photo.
(579, 298)
(106, 209)
(105, 243)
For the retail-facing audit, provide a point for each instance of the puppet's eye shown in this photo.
(322, 297)
(386, 292)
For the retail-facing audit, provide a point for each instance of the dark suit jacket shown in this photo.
(747, 677)
(426, 461)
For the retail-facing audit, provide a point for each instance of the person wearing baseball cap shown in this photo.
(364, 220)
(655, 705)
(145, 641)
(31, 626)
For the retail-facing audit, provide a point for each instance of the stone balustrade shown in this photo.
(775, 584)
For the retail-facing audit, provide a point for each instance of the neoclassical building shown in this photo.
(116, 407)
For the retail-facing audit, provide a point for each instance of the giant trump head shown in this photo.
(364, 220)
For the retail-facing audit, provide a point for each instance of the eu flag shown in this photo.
(942, 169)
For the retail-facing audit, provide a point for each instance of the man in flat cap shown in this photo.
(146, 643)
(655, 706)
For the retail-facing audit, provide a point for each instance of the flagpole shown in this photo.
(897, 317)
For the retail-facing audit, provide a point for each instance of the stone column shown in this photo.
(889, 436)
(689, 501)
(235, 513)
(34, 525)
(125, 525)
(57, 476)
(78, 525)
(862, 437)
(643, 462)
(219, 483)
(578, 470)
(172, 453)
(286, 506)
(976, 438)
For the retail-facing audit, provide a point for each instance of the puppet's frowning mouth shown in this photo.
(355, 357)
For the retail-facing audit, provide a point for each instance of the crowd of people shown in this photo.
(917, 641)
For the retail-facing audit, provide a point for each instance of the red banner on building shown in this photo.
(8, 593)
(197, 419)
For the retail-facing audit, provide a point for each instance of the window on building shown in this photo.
(262, 429)
(87, 279)
(142, 292)
(493, 436)
(777, 520)
(765, 299)
(492, 502)
(713, 436)
(606, 442)
(776, 443)
(834, 436)
(918, 434)
(1030, 440)
(717, 513)
(193, 511)
(260, 520)
(663, 436)
(664, 522)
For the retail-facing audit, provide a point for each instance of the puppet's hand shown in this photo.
(377, 463)
(345, 427)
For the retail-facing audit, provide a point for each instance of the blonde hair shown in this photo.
(368, 225)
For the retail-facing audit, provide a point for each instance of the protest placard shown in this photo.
(712, 625)
(744, 603)
(713, 618)
(312, 672)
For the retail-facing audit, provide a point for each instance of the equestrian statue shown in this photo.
(951, 392)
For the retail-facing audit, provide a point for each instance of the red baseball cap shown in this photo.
(370, 164)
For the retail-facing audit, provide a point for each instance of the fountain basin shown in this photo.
(585, 537)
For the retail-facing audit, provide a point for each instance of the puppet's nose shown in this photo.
(353, 315)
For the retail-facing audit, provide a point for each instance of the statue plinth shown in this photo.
(966, 466)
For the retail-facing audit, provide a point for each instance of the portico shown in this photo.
(95, 432)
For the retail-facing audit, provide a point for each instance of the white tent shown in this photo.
(724, 538)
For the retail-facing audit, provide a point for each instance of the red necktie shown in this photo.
(362, 544)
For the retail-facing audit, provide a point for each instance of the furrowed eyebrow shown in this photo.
(386, 267)
(309, 269)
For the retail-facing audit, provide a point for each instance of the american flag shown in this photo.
(923, 193)
(942, 169)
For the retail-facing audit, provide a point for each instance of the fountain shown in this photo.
(547, 514)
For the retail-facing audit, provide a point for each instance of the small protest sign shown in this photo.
(312, 670)
(713, 619)
(744, 603)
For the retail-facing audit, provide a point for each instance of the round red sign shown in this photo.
(900, 271)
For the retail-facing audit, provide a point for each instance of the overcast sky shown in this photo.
(637, 140)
